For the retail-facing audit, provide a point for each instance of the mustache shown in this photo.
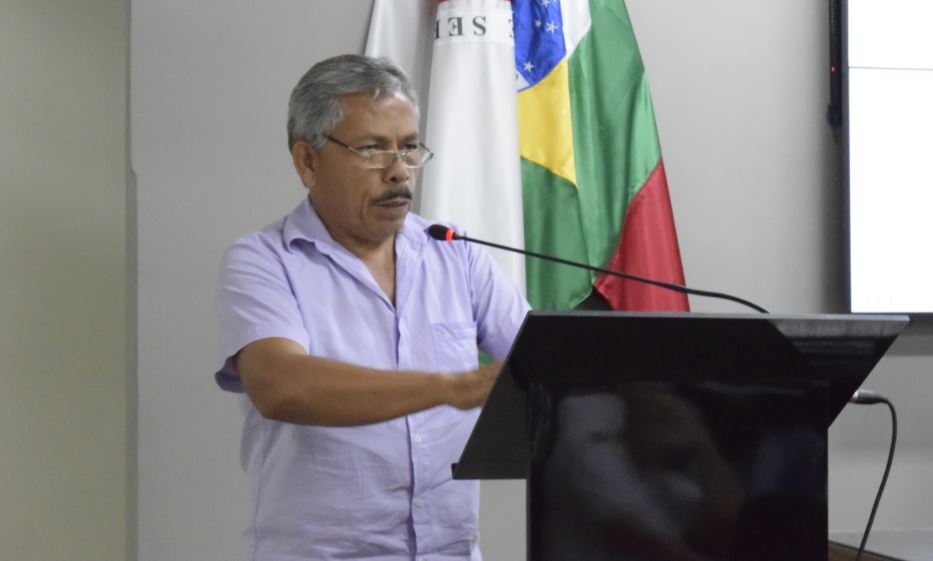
(396, 193)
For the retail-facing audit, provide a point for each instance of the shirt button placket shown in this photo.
(420, 515)
(401, 347)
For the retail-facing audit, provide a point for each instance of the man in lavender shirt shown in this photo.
(355, 336)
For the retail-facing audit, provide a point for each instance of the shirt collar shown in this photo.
(304, 224)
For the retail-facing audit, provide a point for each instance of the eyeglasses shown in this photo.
(412, 158)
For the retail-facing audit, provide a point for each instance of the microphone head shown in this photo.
(442, 233)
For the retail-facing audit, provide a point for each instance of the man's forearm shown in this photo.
(287, 385)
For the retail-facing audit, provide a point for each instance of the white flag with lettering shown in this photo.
(474, 180)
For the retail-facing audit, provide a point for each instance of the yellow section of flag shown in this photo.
(544, 124)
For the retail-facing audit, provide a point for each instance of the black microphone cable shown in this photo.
(869, 397)
(443, 233)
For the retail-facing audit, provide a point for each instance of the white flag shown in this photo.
(403, 30)
(474, 180)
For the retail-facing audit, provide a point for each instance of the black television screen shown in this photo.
(888, 125)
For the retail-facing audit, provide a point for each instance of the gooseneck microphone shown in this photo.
(445, 234)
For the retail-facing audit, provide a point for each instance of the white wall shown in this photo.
(63, 363)
(740, 93)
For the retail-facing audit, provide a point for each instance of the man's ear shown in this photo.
(305, 159)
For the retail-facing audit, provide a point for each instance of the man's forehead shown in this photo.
(377, 138)
(379, 117)
(368, 101)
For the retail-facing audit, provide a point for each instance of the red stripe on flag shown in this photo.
(647, 248)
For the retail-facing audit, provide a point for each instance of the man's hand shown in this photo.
(470, 389)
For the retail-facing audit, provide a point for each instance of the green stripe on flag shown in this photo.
(552, 226)
(615, 139)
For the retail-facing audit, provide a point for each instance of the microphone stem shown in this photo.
(669, 286)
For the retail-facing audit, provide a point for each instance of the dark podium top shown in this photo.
(600, 349)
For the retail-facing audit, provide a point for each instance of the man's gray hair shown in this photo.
(314, 108)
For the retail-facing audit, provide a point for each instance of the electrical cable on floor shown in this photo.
(869, 397)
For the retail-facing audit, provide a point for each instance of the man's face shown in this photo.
(361, 206)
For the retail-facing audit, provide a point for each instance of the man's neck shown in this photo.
(379, 258)
(367, 250)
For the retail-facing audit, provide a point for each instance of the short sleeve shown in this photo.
(498, 305)
(254, 301)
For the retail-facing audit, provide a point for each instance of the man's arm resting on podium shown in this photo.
(286, 384)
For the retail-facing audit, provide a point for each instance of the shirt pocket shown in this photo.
(455, 346)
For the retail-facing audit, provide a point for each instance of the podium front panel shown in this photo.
(652, 471)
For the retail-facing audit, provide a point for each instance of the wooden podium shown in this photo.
(693, 437)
